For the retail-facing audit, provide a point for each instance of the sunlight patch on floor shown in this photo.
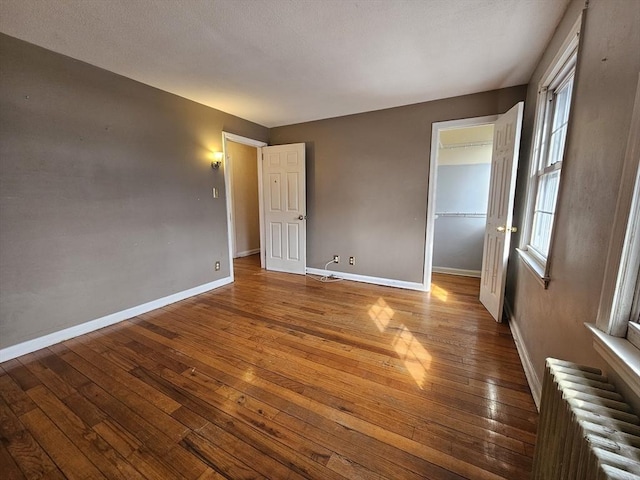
(381, 314)
(438, 292)
(415, 357)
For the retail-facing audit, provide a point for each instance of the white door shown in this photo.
(284, 190)
(504, 163)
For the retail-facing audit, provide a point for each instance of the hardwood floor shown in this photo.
(282, 377)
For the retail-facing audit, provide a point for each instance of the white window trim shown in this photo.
(623, 257)
(622, 268)
(620, 355)
(537, 264)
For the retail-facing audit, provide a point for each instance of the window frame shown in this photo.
(619, 299)
(633, 327)
(616, 333)
(563, 66)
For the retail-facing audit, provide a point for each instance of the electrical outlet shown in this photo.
(352, 260)
(215, 192)
(217, 266)
(336, 259)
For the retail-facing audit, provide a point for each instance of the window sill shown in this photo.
(534, 266)
(620, 355)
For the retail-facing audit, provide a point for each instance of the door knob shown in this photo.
(302, 217)
(505, 229)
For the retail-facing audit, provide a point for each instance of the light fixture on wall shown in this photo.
(217, 160)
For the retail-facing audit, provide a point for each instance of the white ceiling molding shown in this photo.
(278, 62)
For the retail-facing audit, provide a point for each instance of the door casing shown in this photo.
(226, 136)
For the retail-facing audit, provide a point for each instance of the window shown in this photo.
(547, 179)
(552, 120)
(617, 329)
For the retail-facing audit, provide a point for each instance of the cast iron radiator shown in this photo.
(586, 430)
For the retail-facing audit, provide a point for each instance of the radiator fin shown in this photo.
(586, 431)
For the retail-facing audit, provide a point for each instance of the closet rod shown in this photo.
(461, 214)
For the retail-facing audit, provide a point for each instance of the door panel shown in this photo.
(504, 163)
(293, 231)
(285, 207)
(293, 180)
(275, 192)
(275, 249)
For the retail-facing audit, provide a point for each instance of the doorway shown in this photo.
(245, 210)
(462, 192)
(227, 140)
(281, 190)
(459, 179)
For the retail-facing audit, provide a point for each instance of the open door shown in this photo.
(504, 163)
(284, 190)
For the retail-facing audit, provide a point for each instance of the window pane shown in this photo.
(544, 211)
(557, 145)
(561, 103)
(563, 99)
(545, 131)
(541, 229)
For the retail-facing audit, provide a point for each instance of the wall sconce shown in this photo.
(217, 160)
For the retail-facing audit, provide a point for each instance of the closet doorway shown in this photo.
(459, 180)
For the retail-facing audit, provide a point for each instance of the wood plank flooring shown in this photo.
(281, 377)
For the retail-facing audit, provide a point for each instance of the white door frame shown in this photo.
(436, 127)
(228, 185)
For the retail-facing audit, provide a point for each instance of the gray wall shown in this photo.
(105, 192)
(458, 241)
(551, 321)
(367, 181)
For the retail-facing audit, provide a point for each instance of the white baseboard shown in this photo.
(387, 282)
(532, 377)
(246, 253)
(29, 346)
(457, 271)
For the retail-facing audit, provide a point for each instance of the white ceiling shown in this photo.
(278, 62)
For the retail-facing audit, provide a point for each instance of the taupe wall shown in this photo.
(105, 192)
(551, 321)
(367, 182)
(245, 196)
